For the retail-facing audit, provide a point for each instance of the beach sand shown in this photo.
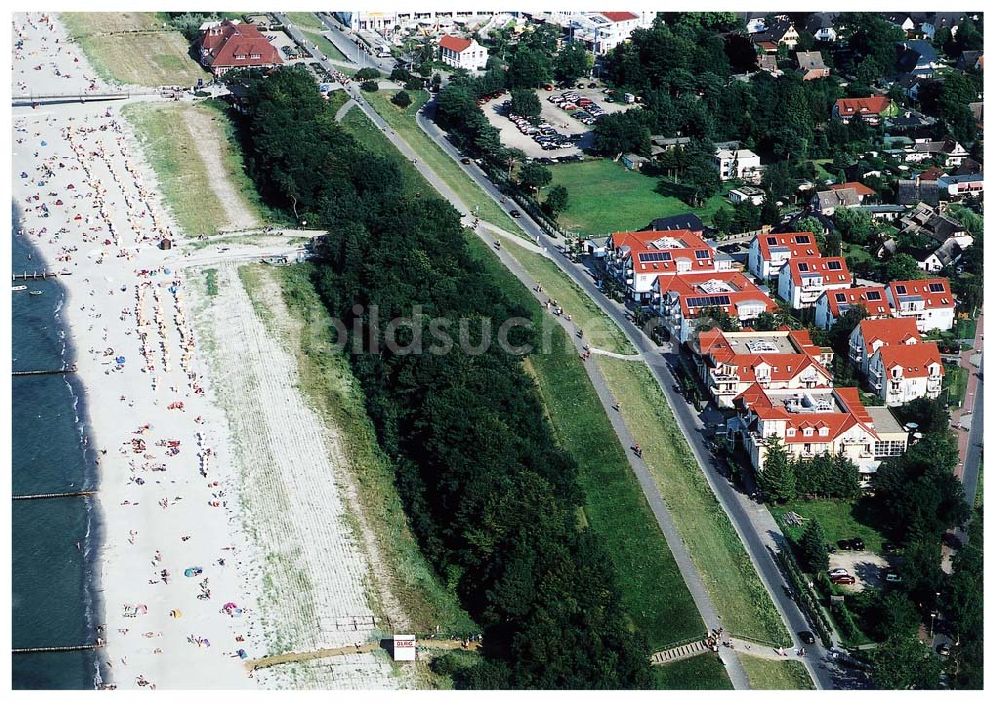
(181, 581)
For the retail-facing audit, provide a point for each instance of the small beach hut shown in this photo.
(166, 244)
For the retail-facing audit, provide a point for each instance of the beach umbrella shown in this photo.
(120, 360)
(44, 144)
(176, 614)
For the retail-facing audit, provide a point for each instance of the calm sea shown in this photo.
(54, 603)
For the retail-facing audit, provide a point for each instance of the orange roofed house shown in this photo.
(809, 423)
(236, 45)
(899, 373)
(929, 302)
(684, 300)
(871, 109)
(801, 281)
(731, 362)
(871, 335)
(637, 258)
(462, 53)
(768, 252)
(834, 303)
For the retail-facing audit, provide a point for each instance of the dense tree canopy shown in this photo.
(491, 497)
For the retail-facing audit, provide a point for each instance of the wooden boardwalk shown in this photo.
(684, 651)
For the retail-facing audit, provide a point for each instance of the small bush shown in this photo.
(369, 86)
(402, 99)
(367, 74)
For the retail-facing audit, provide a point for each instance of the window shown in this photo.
(802, 239)
(889, 448)
(772, 241)
(790, 433)
(701, 254)
(937, 287)
(808, 432)
(833, 265)
(874, 295)
(803, 267)
(901, 290)
(840, 297)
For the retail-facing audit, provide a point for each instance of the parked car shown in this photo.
(893, 578)
(838, 571)
(943, 649)
(843, 580)
(466, 161)
(844, 544)
(515, 213)
(890, 549)
(857, 544)
(591, 85)
(807, 637)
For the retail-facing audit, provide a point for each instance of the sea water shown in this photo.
(55, 541)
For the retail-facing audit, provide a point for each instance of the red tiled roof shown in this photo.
(455, 44)
(900, 330)
(690, 247)
(871, 298)
(237, 45)
(620, 16)
(873, 105)
(797, 250)
(931, 173)
(922, 288)
(819, 266)
(784, 367)
(741, 290)
(913, 359)
(861, 189)
(837, 422)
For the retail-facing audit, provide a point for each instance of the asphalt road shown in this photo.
(343, 39)
(752, 521)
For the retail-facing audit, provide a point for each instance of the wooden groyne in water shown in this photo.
(37, 275)
(43, 372)
(54, 495)
(38, 650)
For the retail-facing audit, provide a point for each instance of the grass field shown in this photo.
(325, 377)
(134, 48)
(173, 151)
(605, 197)
(766, 674)
(965, 328)
(403, 121)
(956, 380)
(325, 46)
(732, 581)
(654, 592)
(306, 20)
(839, 519)
(703, 672)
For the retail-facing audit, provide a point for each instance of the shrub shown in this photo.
(367, 74)
(402, 99)
(369, 86)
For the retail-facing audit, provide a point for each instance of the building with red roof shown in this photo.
(768, 252)
(811, 423)
(834, 303)
(871, 109)
(236, 45)
(637, 258)
(601, 32)
(684, 300)
(928, 301)
(871, 335)
(462, 53)
(620, 16)
(900, 373)
(731, 362)
(801, 281)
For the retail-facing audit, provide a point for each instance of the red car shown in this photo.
(844, 580)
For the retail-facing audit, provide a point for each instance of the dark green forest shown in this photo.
(491, 497)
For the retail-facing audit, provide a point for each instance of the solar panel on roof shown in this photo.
(937, 287)
(701, 254)
(708, 301)
(873, 295)
(654, 257)
(802, 239)
(833, 265)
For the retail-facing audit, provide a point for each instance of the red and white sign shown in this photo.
(404, 647)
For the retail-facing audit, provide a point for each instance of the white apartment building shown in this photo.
(462, 53)
(899, 373)
(801, 281)
(929, 302)
(871, 335)
(738, 164)
(768, 252)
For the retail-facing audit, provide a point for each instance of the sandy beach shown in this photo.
(188, 578)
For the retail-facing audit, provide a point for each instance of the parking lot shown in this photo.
(562, 121)
(282, 40)
(867, 567)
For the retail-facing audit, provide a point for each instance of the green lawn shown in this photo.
(839, 519)
(605, 197)
(956, 380)
(965, 328)
(703, 672)
(715, 547)
(403, 121)
(305, 20)
(325, 46)
(768, 674)
(654, 593)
